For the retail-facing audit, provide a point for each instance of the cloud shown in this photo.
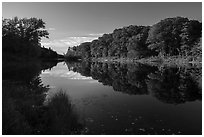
(54, 43)
(51, 29)
(75, 41)
(68, 42)
(61, 45)
(96, 34)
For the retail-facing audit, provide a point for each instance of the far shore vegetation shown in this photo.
(171, 41)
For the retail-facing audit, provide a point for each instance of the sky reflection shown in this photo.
(61, 72)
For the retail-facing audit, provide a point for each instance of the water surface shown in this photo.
(129, 98)
(100, 98)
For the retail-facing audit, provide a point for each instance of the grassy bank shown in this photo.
(24, 111)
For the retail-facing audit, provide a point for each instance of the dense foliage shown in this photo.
(21, 38)
(174, 36)
(169, 37)
(81, 51)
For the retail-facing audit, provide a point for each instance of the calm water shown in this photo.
(101, 98)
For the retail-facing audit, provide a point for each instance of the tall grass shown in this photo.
(25, 113)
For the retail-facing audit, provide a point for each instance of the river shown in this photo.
(115, 99)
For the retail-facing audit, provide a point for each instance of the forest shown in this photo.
(176, 36)
(21, 39)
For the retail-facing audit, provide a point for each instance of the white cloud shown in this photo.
(51, 29)
(75, 41)
(68, 42)
(61, 45)
(96, 34)
(54, 43)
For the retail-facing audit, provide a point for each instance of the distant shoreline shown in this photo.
(155, 61)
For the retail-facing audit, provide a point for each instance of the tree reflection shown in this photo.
(25, 71)
(172, 85)
(22, 103)
(169, 85)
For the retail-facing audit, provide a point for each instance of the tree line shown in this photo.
(21, 38)
(169, 37)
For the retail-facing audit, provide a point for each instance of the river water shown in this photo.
(129, 99)
(114, 98)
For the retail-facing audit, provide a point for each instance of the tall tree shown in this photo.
(23, 36)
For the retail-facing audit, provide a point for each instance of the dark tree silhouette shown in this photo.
(21, 39)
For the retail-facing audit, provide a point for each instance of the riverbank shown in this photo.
(177, 61)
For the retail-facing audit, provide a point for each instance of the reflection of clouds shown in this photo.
(65, 74)
(81, 77)
(46, 72)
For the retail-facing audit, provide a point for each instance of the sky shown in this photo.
(70, 24)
